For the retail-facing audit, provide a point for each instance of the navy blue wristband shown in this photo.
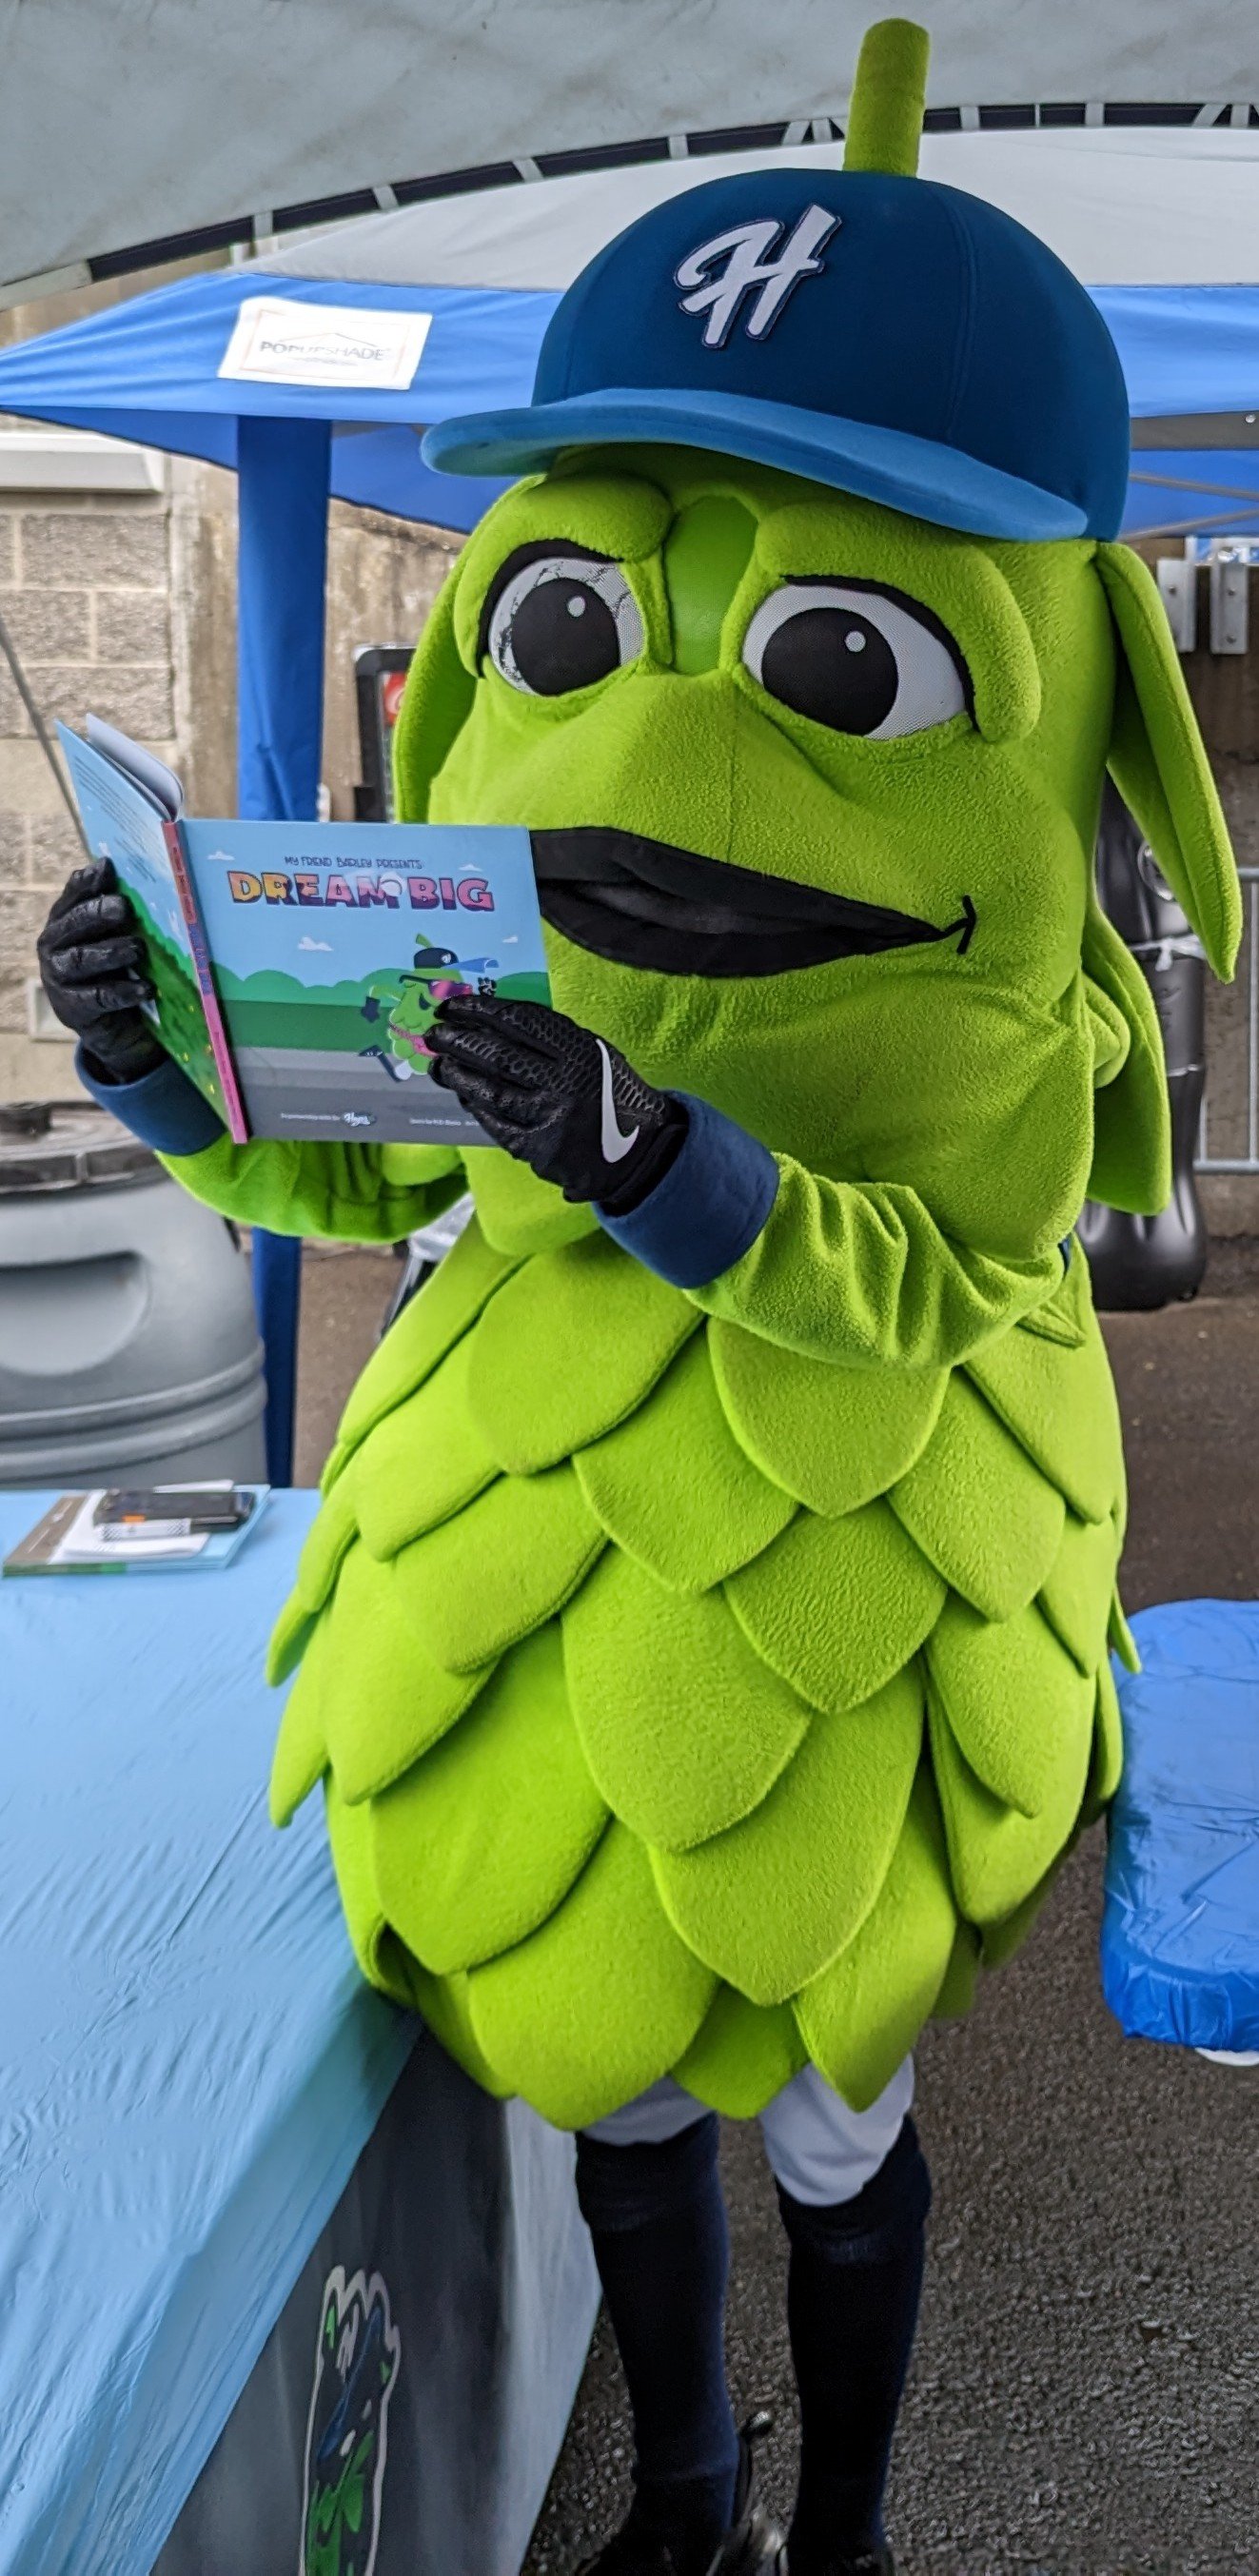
(710, 1206)
(164, 1109)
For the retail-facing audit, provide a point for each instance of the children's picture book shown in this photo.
(68, 1539)
(298, 967)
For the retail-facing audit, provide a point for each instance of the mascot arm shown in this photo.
(856, 1272)
(353, 1193)
(861, 1273)
(350, 1193)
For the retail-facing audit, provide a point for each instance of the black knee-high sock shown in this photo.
(852, 2304)
(658, 2222)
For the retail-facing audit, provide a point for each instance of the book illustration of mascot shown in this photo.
(703, 1646)
(408, 1000)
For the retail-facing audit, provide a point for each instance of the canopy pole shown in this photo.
(282, 471)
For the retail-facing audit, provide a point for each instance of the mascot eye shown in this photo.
(860, 660)
(559, 621)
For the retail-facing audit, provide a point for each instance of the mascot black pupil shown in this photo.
(834, 667)
(563, 636)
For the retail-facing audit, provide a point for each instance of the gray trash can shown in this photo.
(128, 1348)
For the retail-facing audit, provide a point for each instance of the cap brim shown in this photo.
(918, 475)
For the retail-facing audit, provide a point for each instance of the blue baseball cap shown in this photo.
(881, 334)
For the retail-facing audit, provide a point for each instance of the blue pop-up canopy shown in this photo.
(323, 402)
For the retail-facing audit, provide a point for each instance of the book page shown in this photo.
(123, 823)
(150, 774)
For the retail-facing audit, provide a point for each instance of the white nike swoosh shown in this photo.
(614, 1145)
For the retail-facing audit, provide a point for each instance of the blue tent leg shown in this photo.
(282, 468)
(277, 1279)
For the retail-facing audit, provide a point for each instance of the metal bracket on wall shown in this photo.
(1230, 606)
(1178, 585)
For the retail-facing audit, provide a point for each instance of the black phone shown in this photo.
(222, 1509)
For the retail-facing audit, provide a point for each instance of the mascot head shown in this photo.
(803, 648)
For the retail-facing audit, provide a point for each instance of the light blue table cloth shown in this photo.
(190, 2065)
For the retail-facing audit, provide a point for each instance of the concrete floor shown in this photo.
(1085, 2394)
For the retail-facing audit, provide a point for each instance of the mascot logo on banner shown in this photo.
(749, 268)
(347, 2430)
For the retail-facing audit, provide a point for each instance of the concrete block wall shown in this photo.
(383, 576)
(85, 595)
(126, 604)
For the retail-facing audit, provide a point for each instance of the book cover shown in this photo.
(299, 966)
(333, 945)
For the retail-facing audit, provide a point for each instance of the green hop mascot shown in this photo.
(703, 1645)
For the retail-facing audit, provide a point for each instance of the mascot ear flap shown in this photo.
(1159, 764)
(436, 704)
(1160, 768)
(1132, 1128)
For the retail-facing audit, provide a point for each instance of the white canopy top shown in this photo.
(163, 125)
(1122, 206)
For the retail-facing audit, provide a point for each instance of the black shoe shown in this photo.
(753, 2546)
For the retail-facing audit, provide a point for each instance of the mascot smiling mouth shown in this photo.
(646, 903)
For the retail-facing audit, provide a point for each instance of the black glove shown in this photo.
(557, 1097)
(93, 968)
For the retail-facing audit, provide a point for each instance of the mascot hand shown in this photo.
(558, 1098)
(92, 966)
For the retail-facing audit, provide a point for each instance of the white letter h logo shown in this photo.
(745, 250)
